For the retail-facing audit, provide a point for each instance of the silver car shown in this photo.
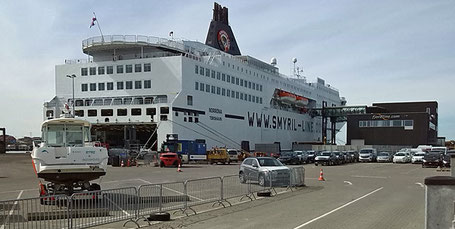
(384, 157)
(263, 170)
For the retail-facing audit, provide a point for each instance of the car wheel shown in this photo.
(162, 164)
(261, 180)
(242, 178)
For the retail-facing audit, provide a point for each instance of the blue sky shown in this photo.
(372, 51)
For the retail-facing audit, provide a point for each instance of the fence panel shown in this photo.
(102, 207)
(40, 212)
(298, 176)
(173, 196)
(233, 187)
(204, 190)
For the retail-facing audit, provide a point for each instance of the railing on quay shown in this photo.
(131, 204)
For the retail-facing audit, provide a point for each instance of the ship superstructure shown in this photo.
(134, 87)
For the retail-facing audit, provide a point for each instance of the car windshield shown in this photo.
(269, 162)
(169, 155)
(366, 151)
(326, 153)
(383, 154)
(432, 155)
(400, 154)
(420, 154)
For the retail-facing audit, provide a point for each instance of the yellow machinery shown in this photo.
(216, 155)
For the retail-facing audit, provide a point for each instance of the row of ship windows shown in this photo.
(139, 84)
(121, 112)
(227, 78)
(120, 69)
(227, 92)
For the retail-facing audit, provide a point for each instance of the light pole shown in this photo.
(72, 77)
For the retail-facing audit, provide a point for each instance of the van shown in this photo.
(368, 155)
(233, 155)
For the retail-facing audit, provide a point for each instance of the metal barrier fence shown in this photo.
(82, 210)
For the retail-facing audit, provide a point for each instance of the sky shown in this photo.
(372, 51)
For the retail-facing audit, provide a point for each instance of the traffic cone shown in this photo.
(128, 163)
(321, 176)
(179, 169)
(122, 164)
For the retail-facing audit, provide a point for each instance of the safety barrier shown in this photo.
(94, 208)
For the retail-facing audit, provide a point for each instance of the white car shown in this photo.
(418, 157)
(401, 157)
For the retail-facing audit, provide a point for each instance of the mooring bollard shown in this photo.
(439, 199)
(452, 165)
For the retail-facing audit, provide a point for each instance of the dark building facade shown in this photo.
(404, 123)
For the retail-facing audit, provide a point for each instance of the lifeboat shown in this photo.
(301, 101)
(287, 96)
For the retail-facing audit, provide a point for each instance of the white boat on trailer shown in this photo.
(66, 158)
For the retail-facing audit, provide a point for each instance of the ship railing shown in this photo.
(77, 61)
(113, 39)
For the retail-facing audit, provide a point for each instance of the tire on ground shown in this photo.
(159, 216)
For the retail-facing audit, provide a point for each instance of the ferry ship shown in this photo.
(138, 90)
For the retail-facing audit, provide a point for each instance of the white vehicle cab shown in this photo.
(402, 157)
(66, 158)
(233, 154)
(418, 157)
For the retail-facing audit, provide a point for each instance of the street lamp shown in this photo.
(72, 77)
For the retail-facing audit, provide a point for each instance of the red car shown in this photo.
(170, 159)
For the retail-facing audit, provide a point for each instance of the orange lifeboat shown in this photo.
(287, 96)
(301, 101)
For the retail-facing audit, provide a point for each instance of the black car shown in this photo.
(446, 159)
(432, 160)
(289, 158)
(311, 155)
(339, 158)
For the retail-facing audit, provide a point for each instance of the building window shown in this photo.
(207, 88)
(92, 71)
(254, 86)
(237, 95)
(213, 89)
(196, 86)
(241, 82)
(396, 123)
(84, 71)
(122, 112)
(249, 98)
(107, 112)
(100, 86)
(119, 69)
(260, 100)
(207, 72)
(138, 68)
(201, 71)
(201, 86)
(237, 81)
(79, 113)
(110, 86)
(92, 113)
(84, 87)
(164, 110)
(119, 85)
(241, 96)
(147, 83)
(213, 74)
(138, 84)
(260, 87)
(189, 100)
(110, 69)
(129, 85)
(129, 68)
(228, 78)
(196, 69)
(223, 92)
(228, 92)
(147, 67)
(249, 84)
(218, 90)
(93, 87)
(218, 76)
(232, 94)
(101, 70)
(136, 111)
(223, 77)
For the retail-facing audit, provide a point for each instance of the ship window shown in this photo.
(224, 63)
(196, 120)
(138, 68)
(98, 102)
(207, 88)
(127, 101)
(190, 119)
(79, 103)
(150, 111)
(241, 96)
(237, 95)
(107, 112)
(129, 85)
(249, 84)
(138, 101)
(138, 84)
(223, 77)
(260, 87)
(129, 68)
(55, 135)
(119, 69)
(241, 82)
(196, 86)
(79, 113)
(101, 70)
(148, 100)
(163, 117)
(136, 111)
(101, 86)
(92, 71)
(233, 94)
(201, 71)
(207, 72)
(122, 112)
(228, 92)
(223, 91)
(260, 100)
(253, 99)
(201, 86)
(189, 100)
(218, 76)
(84, 87)
(164, 110)
(228, 78)
(110, 86)
(119, 85)
(147, 83)
(213, 89)
(184, 119)
(218, 90)
(88, 102)
(84, 72)
(110, 69)
(147, 67)
(237, 81)
(196, 69)
(92, 113)
(107, 101)
(93, 87)
(249, 98)
(213, 74)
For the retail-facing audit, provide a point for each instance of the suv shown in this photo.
(432, 159)
(263, 170)
(311, 154)
(368, 155)
(170, 159)
(303, 156)
(289, 158)
(233, 155)
(325, 158)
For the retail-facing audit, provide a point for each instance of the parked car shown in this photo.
(446, 159)
(339, 158)
(303, 156)
(384, 157)
(368, 155)
(402, 157)
(289, 157)
(347, 157)
(170, 159)
(432, 159)
(233, 155)
(418, 157)
(354, 155)
(263, 170)
(325, 158)
(311, 154)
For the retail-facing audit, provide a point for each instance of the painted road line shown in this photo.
(24, 190)
(375, 177)
(420, 184)
(12, 209)
(338, 208)
(347, 182)
(170, 189)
